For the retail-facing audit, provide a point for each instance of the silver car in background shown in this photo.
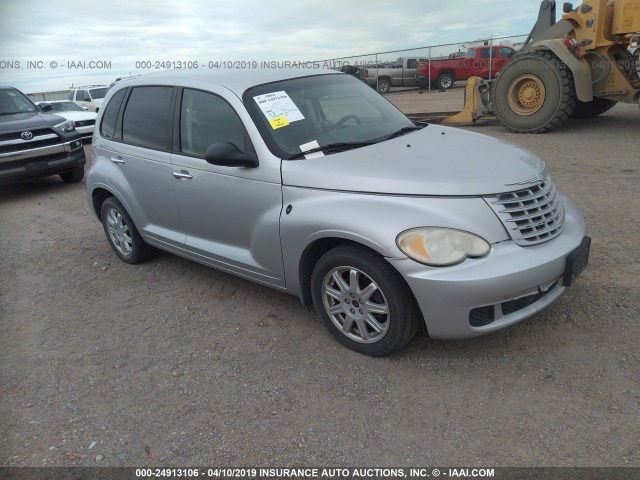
(312, 183)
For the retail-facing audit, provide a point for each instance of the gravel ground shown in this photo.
(170, 363)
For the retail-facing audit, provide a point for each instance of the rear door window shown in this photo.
(146, 117)
(486, 52)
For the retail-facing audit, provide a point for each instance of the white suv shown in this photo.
(89, 97)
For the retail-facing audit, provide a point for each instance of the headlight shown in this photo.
(440, 247)
(67, 126)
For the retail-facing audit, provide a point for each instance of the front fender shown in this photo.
(373, 221)
(579, 68)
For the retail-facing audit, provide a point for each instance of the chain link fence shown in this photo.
(400, 65)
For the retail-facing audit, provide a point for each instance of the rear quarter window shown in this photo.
(110, 115)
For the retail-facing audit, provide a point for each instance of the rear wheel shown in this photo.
(593, 108)
(384, 85)
(534, 93)
(363, 301)
(445, 81)
(122, 234)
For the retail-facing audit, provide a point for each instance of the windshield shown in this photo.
(12, 101)
(98, 92)
(66, 107)
(301, 114)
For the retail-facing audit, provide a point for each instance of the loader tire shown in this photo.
(534, 92)
(593, 108)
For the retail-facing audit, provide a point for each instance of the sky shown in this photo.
(48, 46)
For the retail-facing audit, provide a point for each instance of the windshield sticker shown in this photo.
(310, 146)
(278, 105)
(278, 122)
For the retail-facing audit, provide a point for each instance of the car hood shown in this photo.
(28, 121)
(78, 116)
(436, 160)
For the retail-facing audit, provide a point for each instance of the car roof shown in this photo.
(238, 81)
(86, 87)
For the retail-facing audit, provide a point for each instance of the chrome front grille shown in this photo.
(12, 142)
(85, 123)
(532, 215)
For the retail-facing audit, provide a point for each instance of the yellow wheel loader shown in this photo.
(579, 66)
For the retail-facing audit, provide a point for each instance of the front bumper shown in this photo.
(86, 132)
(447, 296)
(42, 162)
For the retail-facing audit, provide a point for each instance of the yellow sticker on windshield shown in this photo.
(279, 122)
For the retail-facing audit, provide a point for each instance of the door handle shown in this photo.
(117, 160)
(182, 174)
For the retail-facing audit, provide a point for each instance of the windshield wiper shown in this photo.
(404, 131)
(331, 148)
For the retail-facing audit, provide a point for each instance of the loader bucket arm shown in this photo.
(546, 19)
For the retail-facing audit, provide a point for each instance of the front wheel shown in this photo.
(363, 301)
(384, 85)
(73, 176)
(534, 92)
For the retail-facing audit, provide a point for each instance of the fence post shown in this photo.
(429, 79)
(377, 76)
(490, 55)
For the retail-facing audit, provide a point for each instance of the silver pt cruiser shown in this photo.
(312, 183)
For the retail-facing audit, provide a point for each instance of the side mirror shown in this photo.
(45, 107)
(85, 109)
(226, 154)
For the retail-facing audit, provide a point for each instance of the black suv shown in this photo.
(34, 143)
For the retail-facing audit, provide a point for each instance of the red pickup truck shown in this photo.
(482, 62)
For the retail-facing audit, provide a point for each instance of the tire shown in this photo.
(593, 108)
(73, 176)
(445, 81)
(384, 85)
(534, 93)
(122, 233)
(372, 310)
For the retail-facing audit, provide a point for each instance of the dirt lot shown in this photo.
(172, 363)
